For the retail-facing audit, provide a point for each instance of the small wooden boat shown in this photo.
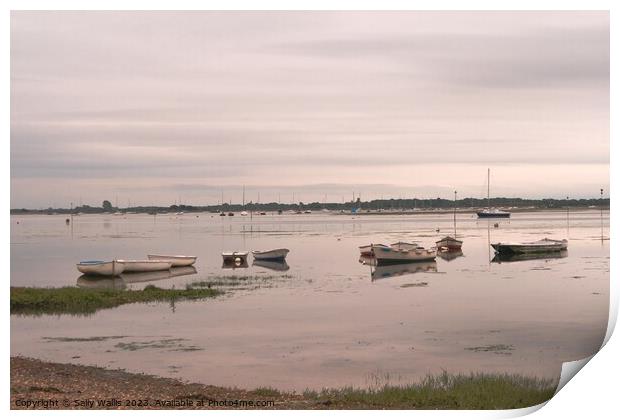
(449, 243)
(235, 256)
(274, 265)
(366, 250)
(404, 245)
(235, 259)
(273, 254)
(101, 268)
(145, 265)
(176, 260)
(393, 255)
(543, 246)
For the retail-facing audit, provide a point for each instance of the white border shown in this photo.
(593, 394)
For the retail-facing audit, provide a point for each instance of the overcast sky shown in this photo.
(157, 107)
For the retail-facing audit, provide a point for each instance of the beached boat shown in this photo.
(449, 243)
(145, 265)
(274, 265)
(491, 212)
(542, 246)
(176, 260)
(101, 268)
(387, 255)
(273, 254)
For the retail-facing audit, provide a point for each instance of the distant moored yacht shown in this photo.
(491, 212)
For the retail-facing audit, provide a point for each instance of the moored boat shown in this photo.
(449, 243)
(404, 245)
(101, 268)
(387, 255)
(489, 212)
(366, 250)
(145, 265)
(273, 254)
(176, 260)
(235, 255)
(235, 259)
(542, 246)
(493, 213)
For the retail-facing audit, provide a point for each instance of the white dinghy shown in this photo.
(145, 265)
(392, 255)
(274, 254)
(176, 260)
(101, 268)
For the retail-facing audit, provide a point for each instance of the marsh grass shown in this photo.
(445, 391)
(243, 282)
(77, 301)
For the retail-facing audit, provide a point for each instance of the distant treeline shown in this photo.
(374, 205)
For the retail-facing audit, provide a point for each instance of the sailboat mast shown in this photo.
(489, 188)
(455, 214)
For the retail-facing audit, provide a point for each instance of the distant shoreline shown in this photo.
(370, 212)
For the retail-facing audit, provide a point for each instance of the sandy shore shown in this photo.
(42, 385)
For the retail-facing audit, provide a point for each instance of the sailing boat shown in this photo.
(243, 213)
(491, 212)
(449, 243)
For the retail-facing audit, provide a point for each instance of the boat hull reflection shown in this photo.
(89, 281)
(120, 282)
(158, 275)
(450, 255)
(500, 258)
(271, 265)
(382, 270)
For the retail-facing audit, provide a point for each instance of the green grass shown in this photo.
(77, 301)
(445, 391)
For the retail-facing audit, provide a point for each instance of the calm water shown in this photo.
(328, 320)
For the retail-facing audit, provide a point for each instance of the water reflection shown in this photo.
(98, 282)
(450, 255)
(157, 275)
(272, 265)
(235, 263)
(381, 271)
(500, 258)
(121, 281)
